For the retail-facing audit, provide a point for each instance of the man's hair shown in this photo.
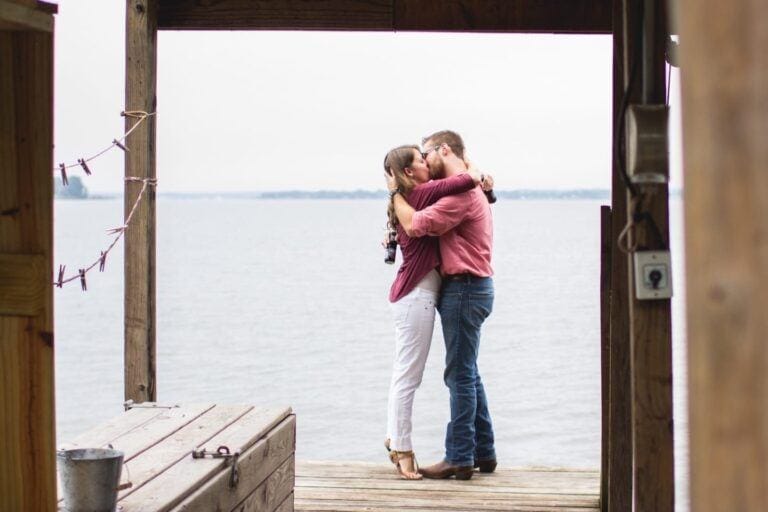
(452, 139)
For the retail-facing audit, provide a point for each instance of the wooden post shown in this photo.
(620, 408)
(27, 421)
(650, 320)
(140, 87)
(605, 348)
(725, 121)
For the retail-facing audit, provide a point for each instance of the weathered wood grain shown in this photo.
(335, 485)
(620, 394)
(286, 505)
(19, 16)
(27, 425)
(142, 429)
(24, 281)
(257, 466)
(725, 121)
(272, 493)
(168, 450)
(606, 247)
(168, 489)
(553, 16)
(140, 239)
(113, 428)
(650, 320)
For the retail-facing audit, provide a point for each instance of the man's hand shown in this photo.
(474, 172)
(487, 182)
(391, 182)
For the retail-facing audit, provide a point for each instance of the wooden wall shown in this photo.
(27, 426)
(724, 80)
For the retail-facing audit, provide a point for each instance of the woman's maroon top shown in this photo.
(420, 255)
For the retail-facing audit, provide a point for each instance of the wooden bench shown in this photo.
(158, 442)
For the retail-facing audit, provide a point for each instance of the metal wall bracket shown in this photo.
(647, 144)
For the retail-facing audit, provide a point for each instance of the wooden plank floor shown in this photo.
(359, 486)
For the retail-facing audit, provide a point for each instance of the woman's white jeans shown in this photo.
(414, 322)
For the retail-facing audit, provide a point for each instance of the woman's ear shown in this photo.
(408, 172)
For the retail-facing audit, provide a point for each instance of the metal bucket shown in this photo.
(90, 478)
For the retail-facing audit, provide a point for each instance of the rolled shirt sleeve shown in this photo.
(441, 217)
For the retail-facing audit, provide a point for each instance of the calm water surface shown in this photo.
(284, 302)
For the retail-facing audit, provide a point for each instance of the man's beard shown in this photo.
(437, 169)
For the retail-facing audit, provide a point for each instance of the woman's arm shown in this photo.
(428, 193)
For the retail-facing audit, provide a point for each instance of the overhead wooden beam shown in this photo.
(140, 241)
(547, 16)
(18, 16)
(725, 119)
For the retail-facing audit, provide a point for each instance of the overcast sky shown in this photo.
(317, 110)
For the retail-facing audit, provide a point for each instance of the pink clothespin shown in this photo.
(64, 179)
(102, 261)
(60, 280)
(118, 144)
(82, 279)
(84, 165)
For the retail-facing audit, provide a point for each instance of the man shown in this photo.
(463, 223)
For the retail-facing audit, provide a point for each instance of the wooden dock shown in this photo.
(358, 486)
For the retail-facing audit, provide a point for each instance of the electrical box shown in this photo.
(653, 275)
(647, 144)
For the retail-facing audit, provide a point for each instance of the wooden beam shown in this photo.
(650, 320)
(27, 424)
(725, 119)
(25, 281)
(605, 350)
(549, 16)
(140, 244)
(15, 16)
(620, 400)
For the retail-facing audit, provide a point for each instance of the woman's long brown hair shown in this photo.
(395, 163)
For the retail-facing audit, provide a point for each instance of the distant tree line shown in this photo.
(75, 189)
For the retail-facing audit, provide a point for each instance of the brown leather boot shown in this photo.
(486, 466)
(445, 469)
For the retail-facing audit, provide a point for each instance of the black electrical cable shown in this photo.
(620, 140)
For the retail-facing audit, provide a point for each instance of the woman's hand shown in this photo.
(391, 181)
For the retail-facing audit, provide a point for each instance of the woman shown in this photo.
(413, 295)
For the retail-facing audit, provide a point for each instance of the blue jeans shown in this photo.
(464, 305)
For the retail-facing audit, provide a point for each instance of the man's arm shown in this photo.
(441, 217)
(444, 215)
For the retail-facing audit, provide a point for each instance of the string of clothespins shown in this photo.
(116, 143)
(120, 230)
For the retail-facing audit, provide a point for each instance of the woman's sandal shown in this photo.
(396, 456)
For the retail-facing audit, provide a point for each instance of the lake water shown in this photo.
(272, 302)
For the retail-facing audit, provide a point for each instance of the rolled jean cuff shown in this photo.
(402, 444)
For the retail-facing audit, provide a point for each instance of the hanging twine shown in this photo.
(83, 162)
(118, 231)
(101, 261)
